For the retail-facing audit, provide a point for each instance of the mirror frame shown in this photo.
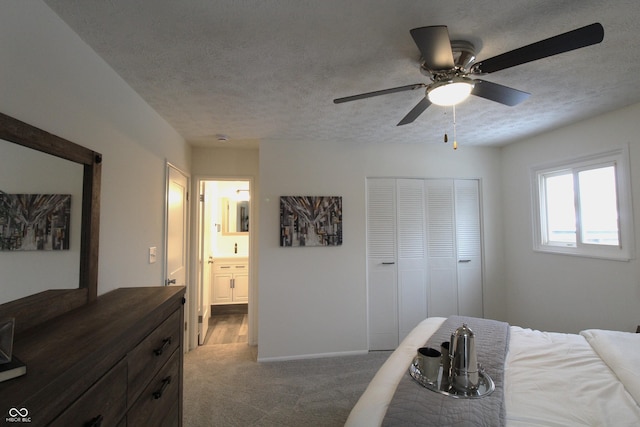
(226, 214)
(35, 309)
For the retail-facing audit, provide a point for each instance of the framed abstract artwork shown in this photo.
(34, 222)
(310, 221)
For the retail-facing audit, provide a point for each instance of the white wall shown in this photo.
(560, 292)
(313, 300)
(53, 80)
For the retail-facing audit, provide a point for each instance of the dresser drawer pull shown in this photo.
(165, 344)
(95, 422)
(165, 383)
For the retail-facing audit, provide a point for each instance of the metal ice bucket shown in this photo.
(464, 376)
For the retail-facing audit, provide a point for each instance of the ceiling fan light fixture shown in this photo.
(450, 92)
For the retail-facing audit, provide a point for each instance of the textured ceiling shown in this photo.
(258, 70)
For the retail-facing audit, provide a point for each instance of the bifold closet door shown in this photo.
(424, 254)
(454, 247)
(396, 259)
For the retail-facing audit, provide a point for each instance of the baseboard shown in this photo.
(312, 356)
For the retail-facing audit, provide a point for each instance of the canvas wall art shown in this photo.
(34, 222)
(310, 221)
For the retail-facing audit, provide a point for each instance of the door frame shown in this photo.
(252, 256)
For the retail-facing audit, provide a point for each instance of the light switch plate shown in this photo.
(152, 255)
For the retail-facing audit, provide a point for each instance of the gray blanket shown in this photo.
(414, 405)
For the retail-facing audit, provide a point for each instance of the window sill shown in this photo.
(614, 255)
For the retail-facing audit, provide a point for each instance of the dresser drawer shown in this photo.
(105, 403)
(158, 405)
(153, 352)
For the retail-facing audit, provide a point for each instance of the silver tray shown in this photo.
(485, 386)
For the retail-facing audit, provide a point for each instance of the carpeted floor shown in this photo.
(225, 386)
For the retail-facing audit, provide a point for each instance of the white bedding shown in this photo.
(551, 379)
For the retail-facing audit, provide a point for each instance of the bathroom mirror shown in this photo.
(45, 303)
(235, 216)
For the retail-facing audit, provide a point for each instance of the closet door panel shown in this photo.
(443, 295)
(412, 273)
(382, 270)
(470, 290)
(441, 247)
(383, 309)
(469, 248)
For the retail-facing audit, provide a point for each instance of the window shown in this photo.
(583, 207)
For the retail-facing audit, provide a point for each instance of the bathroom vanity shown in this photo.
(230, 284)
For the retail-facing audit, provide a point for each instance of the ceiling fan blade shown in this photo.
(415, 112)
(379, 92)
(498, 93)
(435, 47)
(576, 39)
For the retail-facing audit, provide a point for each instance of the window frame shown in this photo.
(619, 158)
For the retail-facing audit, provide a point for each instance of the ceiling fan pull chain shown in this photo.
(455, 140)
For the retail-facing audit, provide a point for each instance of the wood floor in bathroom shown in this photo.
(227, 329)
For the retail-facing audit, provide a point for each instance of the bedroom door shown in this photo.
(176, 238)
(177, 227)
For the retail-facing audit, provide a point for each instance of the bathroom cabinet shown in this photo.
(230, 284)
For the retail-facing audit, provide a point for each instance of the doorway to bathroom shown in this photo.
(224, 260)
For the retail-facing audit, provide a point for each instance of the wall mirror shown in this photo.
(235, 218)
(45, 303)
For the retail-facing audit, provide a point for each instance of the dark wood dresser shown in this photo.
(116, 361)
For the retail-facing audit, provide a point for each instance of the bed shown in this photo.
(549, 379)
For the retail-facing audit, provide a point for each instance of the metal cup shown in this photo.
(429, 363)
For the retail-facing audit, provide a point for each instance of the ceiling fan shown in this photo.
(451, 63)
